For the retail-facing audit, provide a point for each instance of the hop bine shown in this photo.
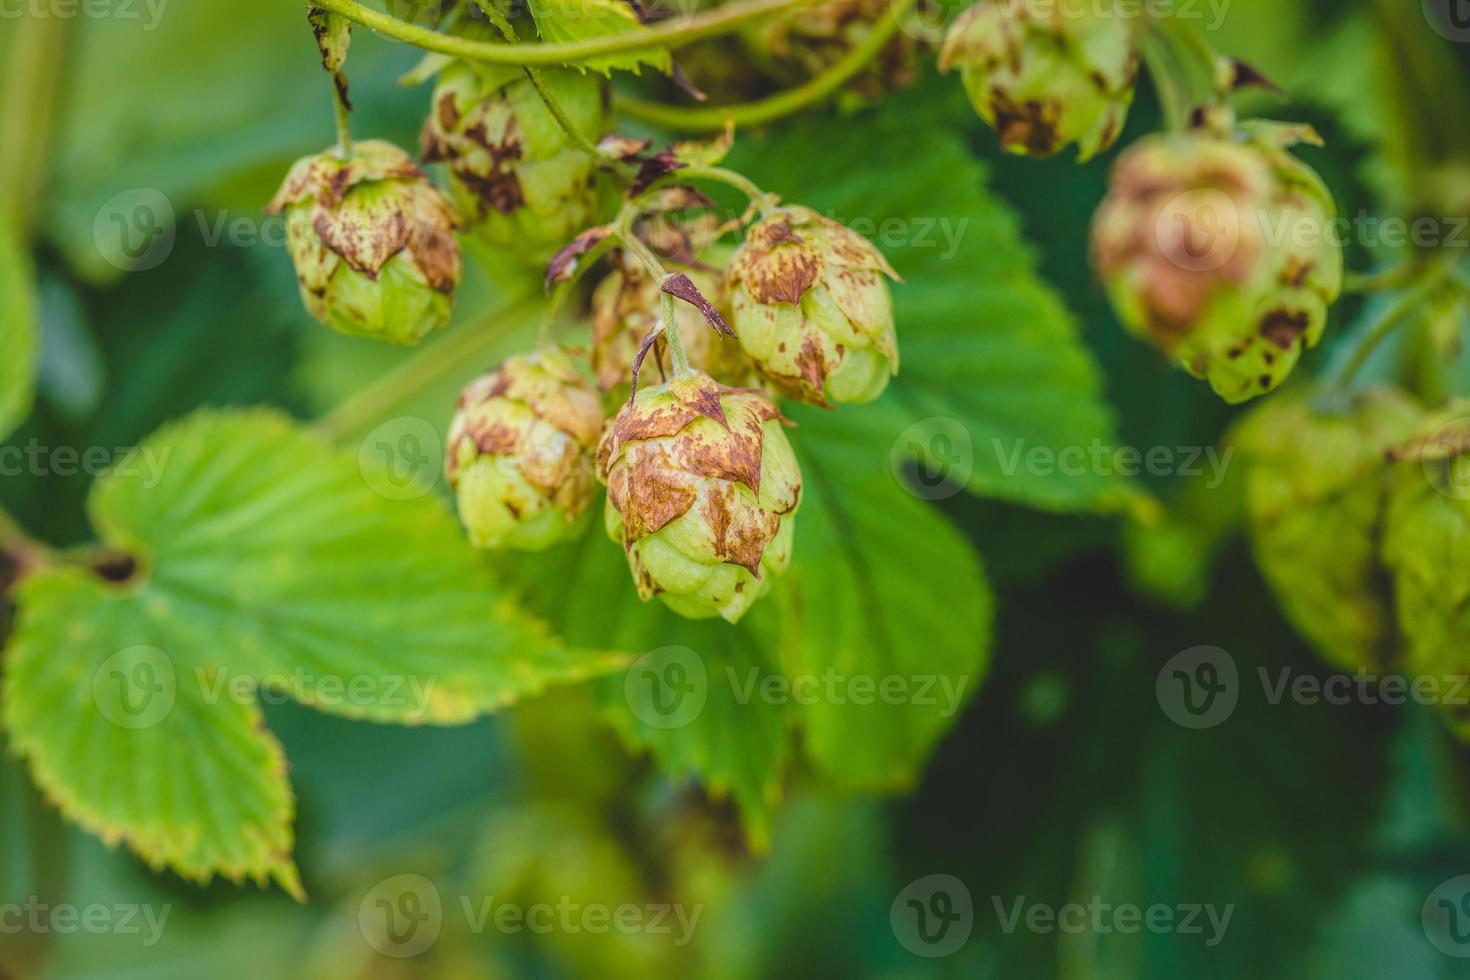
(520, 452)
(1045, 74)
(1217, 249)
(811, 307)
(372, 241)
(519, 179)
(702, 490)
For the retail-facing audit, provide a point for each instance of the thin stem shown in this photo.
(1392, 318)
(1172, 91)
(656, 269)
(671, 334)
(37, 63)
(1383, 279)
(388, 392)
(815, 89)
(739, 181)
(554, 106)
(672, 33)
(344, 118)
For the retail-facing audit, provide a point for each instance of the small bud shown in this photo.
(1316, 482)
(702, 488)
(1220, 253)
(627, 304)
(520, 452)
(1045, 74)
(811, 307)
(521, 183)
(372, 241)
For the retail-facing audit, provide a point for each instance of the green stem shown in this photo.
(656, 269)
(739, 181)
(344, 119)
(712, 23)
(1173, 92)
(1384, 279)
(37, 57)
(1392, 318)
(815, 89)
(385, 394)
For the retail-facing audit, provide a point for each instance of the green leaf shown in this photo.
(580, 20)
(887, 599)
(734, 742)
(17, 329)
(266, 567)
(992, 366)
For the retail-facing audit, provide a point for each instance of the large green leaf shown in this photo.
(890, 610)
(17, 329)
(561, 21)
(992, 366)
(266, 566)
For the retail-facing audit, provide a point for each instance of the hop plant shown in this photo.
(1316, 482)
(1044, 75)
(516, 175)
(1424, 545)
(626, 306)
(702, 489)
(811, 307)
(809, 41)
(372, 241)
(1217, 250)
(520, 450)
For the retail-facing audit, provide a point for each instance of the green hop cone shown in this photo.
(1316, 485)
(811, 306)
(702, 487)
(1220, 252)
(627, 304)
(1426, 546)
(520, 450)
(519, 180)
(372, 241)
(1045, 73)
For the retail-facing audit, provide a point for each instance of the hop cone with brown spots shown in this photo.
(811, 306)
(372, 241)
(1316, 484)
(702, 487)
(627, 304)
(519, 180)
(520, 452)
(1426, 546)
(1045, 74)
(1219, 251)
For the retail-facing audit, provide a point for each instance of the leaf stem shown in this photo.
(815, 89)
(37, 60)
(1392, 318)
(712, 23)
(656, 269)
(390, 390)
(344, 118)
(765, 202)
